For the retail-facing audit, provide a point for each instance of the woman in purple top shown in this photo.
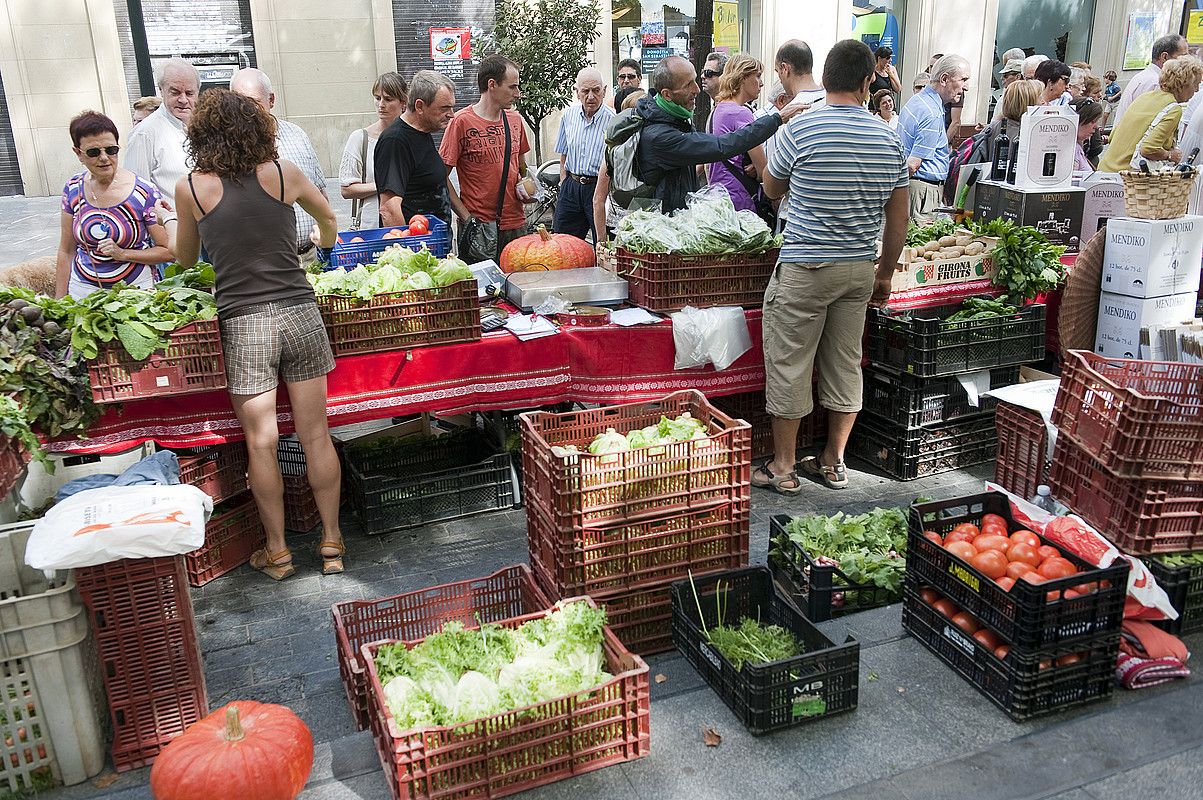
(739, 84)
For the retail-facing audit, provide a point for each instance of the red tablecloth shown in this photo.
(591, 365)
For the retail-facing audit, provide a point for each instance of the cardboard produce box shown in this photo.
(1055, 213)
(1153, 257)
(1121, 318)
(1047, 138)
(915, 272)
(1102, 202)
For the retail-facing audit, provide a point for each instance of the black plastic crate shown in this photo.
(1024, 686)
(910, 453)
(1184, 585)
(922, 343)
(820, 682)
(910, 401)
(1025, 616)
(404, 483)
(822, 591)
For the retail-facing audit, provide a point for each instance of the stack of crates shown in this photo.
(1032, 649)
(1129, 460)
(917, 418)
(621, 527)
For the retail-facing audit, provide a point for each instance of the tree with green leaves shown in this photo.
(549, 40)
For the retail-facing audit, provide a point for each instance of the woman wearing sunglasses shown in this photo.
(109, 232)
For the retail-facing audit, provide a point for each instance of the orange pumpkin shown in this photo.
(545, 251)
(244, 750)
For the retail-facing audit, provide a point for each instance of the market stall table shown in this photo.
(609, 364)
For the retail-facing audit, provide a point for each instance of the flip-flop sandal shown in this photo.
(767, 480)
(834, 476)
(332, 565)
(272, 564)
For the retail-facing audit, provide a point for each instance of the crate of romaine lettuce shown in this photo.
(407, 298)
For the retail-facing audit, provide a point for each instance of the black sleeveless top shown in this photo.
(251, 239)
(880, 82)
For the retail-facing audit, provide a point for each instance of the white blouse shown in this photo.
(352, 170)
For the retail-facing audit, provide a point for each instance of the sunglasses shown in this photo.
(627, 76)
(709, 73)
(94, 152)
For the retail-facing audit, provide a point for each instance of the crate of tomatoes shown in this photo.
(362, 247)
(1027, 590)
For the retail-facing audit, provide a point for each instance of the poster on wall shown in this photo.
(629, 43)
(1194, 28)
(653, 33)
(450, 44)
(726, 25)
(651, 56)
(1142, 31)
(678, 39)
(878, 30)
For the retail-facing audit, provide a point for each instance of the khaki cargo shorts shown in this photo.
(815, 313)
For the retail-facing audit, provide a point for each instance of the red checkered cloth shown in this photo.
(1149, 656)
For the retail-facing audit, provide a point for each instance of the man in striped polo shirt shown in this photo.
(845, 172)
(581, 142)
(925, 136)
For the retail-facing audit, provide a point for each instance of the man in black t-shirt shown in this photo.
(411, 178)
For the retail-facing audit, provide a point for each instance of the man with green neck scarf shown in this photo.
(670, 148)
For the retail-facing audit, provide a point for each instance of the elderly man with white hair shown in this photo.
(292, 144)
(1029, 66)
(924, 136)
(155, 148)
(581, 145)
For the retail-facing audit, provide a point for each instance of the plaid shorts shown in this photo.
(269, 341)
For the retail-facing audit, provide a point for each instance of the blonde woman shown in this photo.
(356, 171)
(1149, 128)
(740, 83)
(1016, 100)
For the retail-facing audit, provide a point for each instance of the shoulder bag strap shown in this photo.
(1136, 156)
(505, 169)
(750, 185)
(357, 204)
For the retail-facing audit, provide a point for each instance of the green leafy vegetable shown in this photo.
(869, 548)
(199, 276)
(982, 308)
(916, 235)
(1026, 264)
(709, 225)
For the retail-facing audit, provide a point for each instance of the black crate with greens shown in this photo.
(839, 564)
(1181, 576)
(770, 665)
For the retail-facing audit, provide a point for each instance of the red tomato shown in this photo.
(419, 219)
(1001, 651)
(968, 527)
(418, 229)
(1055, 568)
(994, 530)
(1048, 551)
(1024, 553)
(1006, 582)
(966, 622)
(929, 595)
(1033, 577)
(962, 550)
(987, 638)
(993, 519)
(959, 536)
(1070, 594)
(934, 537)
(990, 563)
(946, 607)
(992, 542)
(1069, 658)
(1026, 537)
(355, 239)
(1017, 568)
(338, 239)
(395, 233)
(1045, 663)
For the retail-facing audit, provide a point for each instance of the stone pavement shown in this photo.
(920, 731)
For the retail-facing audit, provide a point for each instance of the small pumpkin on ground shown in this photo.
(243, 750)
(541, 251)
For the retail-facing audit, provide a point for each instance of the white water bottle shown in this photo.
(1044, 499)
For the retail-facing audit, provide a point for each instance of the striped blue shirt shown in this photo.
(583, 140)
(924, 135)
(842, 164)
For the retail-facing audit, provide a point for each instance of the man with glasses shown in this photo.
(155, 149)
(924, 135)
(629, 81)
(712, 70)
(580, 144)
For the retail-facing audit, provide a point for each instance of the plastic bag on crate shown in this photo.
(1146, 600)
(704, 336)
(1038, 396)
(97, 526)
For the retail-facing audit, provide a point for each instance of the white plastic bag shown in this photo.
(704, 336)
(102, 525)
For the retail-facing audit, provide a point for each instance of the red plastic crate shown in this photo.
(218, 471)
(1141, 419)
(582, 490)
(402, 320)
(231, 536)
(633, 555)
(1140, 516)
(518, 750)
(508, 592)
(749, 406)
(642, 620)
(1021, 465)
(191, 362)
(667, 282)
(145, 635)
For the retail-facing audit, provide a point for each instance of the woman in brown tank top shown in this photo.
(238, 202)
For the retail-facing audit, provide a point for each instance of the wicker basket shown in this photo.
(1161, 195)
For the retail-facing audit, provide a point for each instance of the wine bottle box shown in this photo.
(1048, 136)
(1121, 318)
(1153, 257)
(1103, 202)
(1056, 213)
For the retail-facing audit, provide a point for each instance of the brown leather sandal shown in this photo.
(787, 484)
(332, 565)
(273, 565)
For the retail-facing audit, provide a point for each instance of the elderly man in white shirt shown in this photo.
(1149, 78)
(155, 148)
(292, 143)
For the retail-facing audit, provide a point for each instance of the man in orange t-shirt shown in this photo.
(474, 145)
